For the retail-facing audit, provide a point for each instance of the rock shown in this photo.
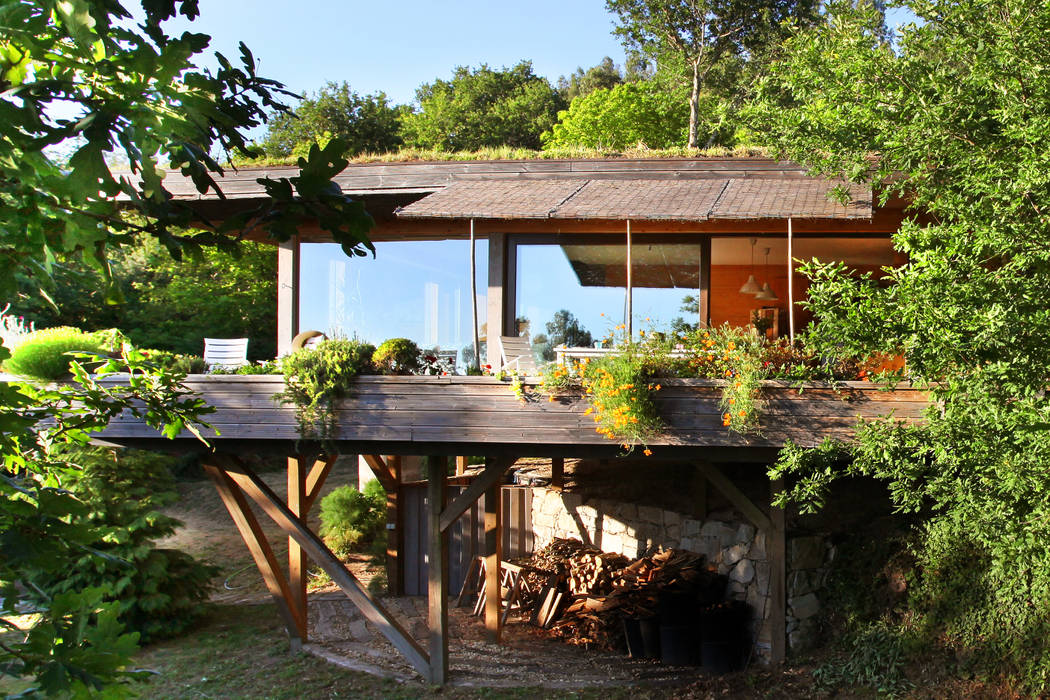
(651, 515)
(627, 512)
(799, 583)
(612, 543)
(725, 534)
(805, 606)
(805, 552)
(571, 501)
(736, 591)
(745, 533)
(756, 600)
(612, 526)
(758, 547)
(735, 553)
(743, 572)
(691, 527)
(762, 577)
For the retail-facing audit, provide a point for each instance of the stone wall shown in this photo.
(733, 545)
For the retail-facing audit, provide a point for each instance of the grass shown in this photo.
(242, 652)
(407, 155)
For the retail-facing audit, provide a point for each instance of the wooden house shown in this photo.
(511, 246)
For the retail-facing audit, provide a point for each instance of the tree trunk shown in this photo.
(694, 105)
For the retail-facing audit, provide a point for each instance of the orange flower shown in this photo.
(742, 413)
(588, 412)
(550, 398)
(657, 388)
(647, 452)
(731, 346)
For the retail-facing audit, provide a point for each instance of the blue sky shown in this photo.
(396, 46)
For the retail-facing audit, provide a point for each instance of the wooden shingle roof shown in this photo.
(642, 199)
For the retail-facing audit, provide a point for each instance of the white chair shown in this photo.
(225, 353)
(516, 354)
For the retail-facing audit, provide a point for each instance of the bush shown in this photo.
(42, 354)
(174, 362)
(397, 356)
(315, 380)
(159, 591)
(351, 519)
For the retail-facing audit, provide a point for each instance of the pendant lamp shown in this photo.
(766, 293)
(751, 286)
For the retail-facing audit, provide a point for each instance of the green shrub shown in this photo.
(42, 354)
(351, 519)
(397, 356)
(174, 362)
(316, 379)
(160, 591)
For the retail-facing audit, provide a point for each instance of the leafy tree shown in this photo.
(703, 34)
(605, 75)
(482, 108)
(957, 119)
(562, 329)
(79, 77)
(367, 123)
(161, 299)
(135, 98)
(626, 115)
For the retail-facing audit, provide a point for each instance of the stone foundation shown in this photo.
(734, 546)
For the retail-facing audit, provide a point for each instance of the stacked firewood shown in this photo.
(608, 588)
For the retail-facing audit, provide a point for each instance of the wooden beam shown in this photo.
(704, 291)
(297, 560)
(255, 539)
(737, 497)
(494, 470)
(382, 471)
(776, 548)
(272, 505)
(316, 477)
(461, 464)
(395, 530)
(557, 473)
(437, 571)
(494, 321)
(287, 294)
(493, 557)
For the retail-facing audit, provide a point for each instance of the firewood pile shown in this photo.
(596, 590)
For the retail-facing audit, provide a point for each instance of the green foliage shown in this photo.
(43, 354)
(77, 642)
(316, 378)
(622, 407)
(876, 660)
(159, 591)
(397, 356)
(958, 116)
(161, 298)
(352, 519)
(562, 329)
(627, 115)
(366, 123)
(603, 76)
(705, 35)
(174, 362)
(137, 99)
(483, 107)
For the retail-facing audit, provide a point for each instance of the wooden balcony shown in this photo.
(481, 415)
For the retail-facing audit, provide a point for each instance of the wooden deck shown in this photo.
(481, 415)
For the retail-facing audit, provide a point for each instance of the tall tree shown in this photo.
(367, 123)
(957, 120)
(627, 115)
(483, 108)
(703, 33)
(605, 75)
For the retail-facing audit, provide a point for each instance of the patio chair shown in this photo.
(516, 354)
(225, 353)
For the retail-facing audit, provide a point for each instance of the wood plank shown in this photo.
(395, 529)
(493, 558)
(557, 473)
(298, 564)
(255, 539)
(737, 497)
(437, 572)
(271, 504)
(492, 474)
(316, 477)
(384, 474)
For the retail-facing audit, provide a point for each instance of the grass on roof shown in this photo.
(409, 155)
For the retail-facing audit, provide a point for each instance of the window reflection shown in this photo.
(412, 289)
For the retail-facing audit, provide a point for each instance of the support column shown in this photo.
(437, 571)
(297, 561)
(493, 559)
(557, 473)
(287, 294)
(704, 292)
(495, 322)
(777, 551)
(395, 529)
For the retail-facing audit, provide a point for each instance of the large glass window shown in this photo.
(412, 289)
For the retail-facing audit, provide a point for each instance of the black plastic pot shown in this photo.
(677, 645)
(632, 632)
(650, 631)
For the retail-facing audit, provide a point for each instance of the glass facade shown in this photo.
(412, 289)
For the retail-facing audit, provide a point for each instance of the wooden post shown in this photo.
(557, 473)
(776, 547)
(493, 558)
(437, 571)
(704, 292)
(474, 295)
(496, 322)
(791, 284)
(461, 465)
(297, 561)
(287, 294)
(629, 303)
(395, 530)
